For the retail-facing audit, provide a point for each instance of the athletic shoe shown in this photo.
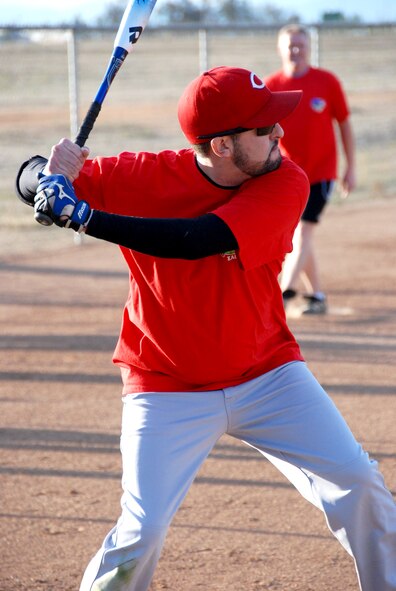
(288, 295)
(314, 305)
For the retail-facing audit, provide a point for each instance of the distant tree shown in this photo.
(333, 17)
(339, 17)
(232, 11)
(112, 14)
(182, 11)
(203, 11)
(78, 22)
(273, 15)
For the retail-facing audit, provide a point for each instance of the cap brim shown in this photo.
(279, 106)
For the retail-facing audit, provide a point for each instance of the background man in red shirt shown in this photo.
(310, 141)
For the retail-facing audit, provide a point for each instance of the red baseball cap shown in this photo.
(228, 100)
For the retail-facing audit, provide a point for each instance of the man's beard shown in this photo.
(253, 170)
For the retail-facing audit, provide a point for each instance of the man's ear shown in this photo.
(222, 147)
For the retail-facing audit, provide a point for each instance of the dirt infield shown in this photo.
(242, 526)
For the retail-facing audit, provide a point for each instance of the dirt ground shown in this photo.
(242, 526)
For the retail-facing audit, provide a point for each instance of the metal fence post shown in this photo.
(203, 50)
(315, 52)
(73, 100)
(73, 81)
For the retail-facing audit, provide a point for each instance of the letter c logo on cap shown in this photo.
(255, 81)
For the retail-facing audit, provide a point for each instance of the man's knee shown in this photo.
(359, 480)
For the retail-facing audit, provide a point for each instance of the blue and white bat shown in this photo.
(134, 20)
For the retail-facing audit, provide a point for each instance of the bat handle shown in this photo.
(87, 124)
(43, 219)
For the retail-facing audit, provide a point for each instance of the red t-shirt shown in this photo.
(309, 138)
(217, 321)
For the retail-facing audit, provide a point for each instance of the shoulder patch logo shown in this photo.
(318, 104)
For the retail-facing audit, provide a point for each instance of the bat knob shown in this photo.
(43, 219)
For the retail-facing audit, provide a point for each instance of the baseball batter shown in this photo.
(204, 348)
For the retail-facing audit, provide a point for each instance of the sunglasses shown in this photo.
(265, 130)
(259, 131)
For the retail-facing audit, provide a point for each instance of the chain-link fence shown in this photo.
(139, 112)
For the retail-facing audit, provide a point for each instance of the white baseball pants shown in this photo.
(284, 414)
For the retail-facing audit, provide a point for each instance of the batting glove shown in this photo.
(56, 202)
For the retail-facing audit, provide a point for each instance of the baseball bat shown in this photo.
(133, 23)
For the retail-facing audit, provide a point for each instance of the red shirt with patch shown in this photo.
(213, 322)
(309, 138)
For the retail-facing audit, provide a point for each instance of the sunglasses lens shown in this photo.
(265, 130)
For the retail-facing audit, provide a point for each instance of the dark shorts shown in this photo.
(317, 200)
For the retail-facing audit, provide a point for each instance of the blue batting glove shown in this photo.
(56, 202)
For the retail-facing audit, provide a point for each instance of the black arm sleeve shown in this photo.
(26, 182)
(184, 238)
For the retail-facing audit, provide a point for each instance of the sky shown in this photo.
(48, 12)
